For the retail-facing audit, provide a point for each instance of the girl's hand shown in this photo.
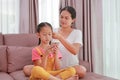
(54, 47)
(48, 50)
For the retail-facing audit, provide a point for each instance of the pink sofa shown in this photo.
(15, 53)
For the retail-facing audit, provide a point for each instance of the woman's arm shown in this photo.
(73, 48)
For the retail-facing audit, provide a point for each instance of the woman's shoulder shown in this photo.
(77, 31)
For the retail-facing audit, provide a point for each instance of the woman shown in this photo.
(70, 40)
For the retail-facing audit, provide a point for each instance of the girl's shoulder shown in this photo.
(37, 48)
(34, 48)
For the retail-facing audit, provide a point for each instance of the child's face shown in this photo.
(45, 35)
(65, 19)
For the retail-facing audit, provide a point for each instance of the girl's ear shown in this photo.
(38, 35)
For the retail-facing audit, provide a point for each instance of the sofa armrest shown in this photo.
(85, 64)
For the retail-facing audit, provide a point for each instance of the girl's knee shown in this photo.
(39, 73)
(27, 70)
(36, 71)
(37, 68)
(71, 70)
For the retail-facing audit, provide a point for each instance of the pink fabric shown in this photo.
(36, 56)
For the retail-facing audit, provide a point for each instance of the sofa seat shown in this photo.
(5, 76)
(94, 76)
(19, 75)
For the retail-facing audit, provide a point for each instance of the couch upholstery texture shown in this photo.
(15, 53)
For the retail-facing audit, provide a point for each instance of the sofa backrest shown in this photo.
(26, 40)
(3, 58)
(16, 51)
(1, 39)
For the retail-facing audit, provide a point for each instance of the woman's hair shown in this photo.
(71, 10)
(40, 26)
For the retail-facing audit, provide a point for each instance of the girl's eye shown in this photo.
(66, 18)
(50, 34)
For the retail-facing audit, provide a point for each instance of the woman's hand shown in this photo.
(73, 48)
(56, 35)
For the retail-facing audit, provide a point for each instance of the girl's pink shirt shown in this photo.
(36, 55)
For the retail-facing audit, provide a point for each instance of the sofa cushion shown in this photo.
(27, 40)
(18, 57)
(85, 64)
(3, 59)
(19, 75)
(94, 76)
(75, 77)
(5, 76)
(1, 39)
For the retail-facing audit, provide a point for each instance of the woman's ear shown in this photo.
(74, 20)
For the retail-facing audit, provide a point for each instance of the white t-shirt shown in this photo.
(68, 59)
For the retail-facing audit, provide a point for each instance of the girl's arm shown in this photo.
(57, 62)
(41, 62)
(73, 48)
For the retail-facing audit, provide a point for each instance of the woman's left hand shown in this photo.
(56, 35)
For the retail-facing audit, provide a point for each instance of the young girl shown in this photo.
(70, 40)
(46, 57)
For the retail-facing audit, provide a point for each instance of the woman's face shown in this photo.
(66, 19)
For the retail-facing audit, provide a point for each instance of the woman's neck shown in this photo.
(65, 29)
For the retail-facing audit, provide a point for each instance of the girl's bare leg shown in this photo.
(27, 69)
